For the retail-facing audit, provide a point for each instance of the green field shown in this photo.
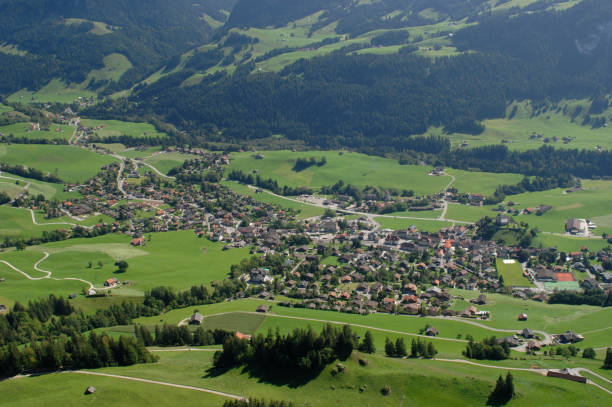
(115, 65)
(4, 109)
(71, 164)
(67, 389)
(517, 131)
(54, 92)
(164, 162)
(306, 211)
(353, 168)
(16, 184)
(481, 182)
(56, 131)
(18, 223)
(245, 323)
(423, 225)
(112, 128)
(174, 259)
(512, 274)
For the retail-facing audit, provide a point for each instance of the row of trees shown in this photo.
(29, 172)
(418, 348)
(75, 352)
(302, 163)
(594, 296)
(487, 349)
(171, 335)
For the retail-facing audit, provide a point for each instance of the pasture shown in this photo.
(14, 184)
(423, 225)
(164, 162)
(306, 211)
(55, 91)
(115, 128)
(512, 272)
(516, 132)
(16, 222)
(55, 132)
(67, 389)
(174, 259)
(352, 168)
(71, 164)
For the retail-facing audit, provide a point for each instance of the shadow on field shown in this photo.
(292, 379)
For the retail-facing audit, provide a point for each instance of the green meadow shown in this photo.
(14, 184)
(18, 223)
(306, 211)
(516, 132)
(164, 162)
(114, 128)
(71, 164)
(55, 132)
(353, 168)
(423, 225)
(55, 91)
(174, 259)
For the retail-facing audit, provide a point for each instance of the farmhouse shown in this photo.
(570, 337)
(262, 309)
(577, 227)
(431, 331)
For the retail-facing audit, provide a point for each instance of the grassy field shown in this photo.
(18, 223)
(56, 131)
(481, 182)
(5, 109)
(115, 65)
(245, 323)
(518, 130)
(164, 162)
(174, 259)
(512, 274)
(306, 211)
(109, 128)
(49, 190)
(353, 168)
(67, 389)
(424, 225)
(70, 163)
(54, 92)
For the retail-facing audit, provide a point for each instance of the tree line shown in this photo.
(75, 352)
(269, 184)
(301, 350)
(488, 348)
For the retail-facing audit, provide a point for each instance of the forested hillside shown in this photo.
(66, 39)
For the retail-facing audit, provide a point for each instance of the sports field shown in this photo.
(512, 272)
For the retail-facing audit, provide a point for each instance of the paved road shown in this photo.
(445, 208)
(161, 174)
(364, 213)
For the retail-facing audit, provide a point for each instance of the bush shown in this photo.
(386, 390)
(363, 362)
(588, 353)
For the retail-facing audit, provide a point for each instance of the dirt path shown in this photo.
(177, 386)
(48, 274)
(445, 208)
(158, 172)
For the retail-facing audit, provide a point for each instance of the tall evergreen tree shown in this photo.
(608, 361)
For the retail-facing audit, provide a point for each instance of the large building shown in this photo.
(577, 227)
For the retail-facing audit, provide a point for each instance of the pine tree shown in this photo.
(367, 345)
(431, 350)
(400, 348)
(496, 397)
(414, 349)
(389, 348)
(608, 361)
(509, 390)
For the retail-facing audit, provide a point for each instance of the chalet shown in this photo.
(111, 282)
(410, 289)
(512, 341)
(259, 276)
(533, 345)
(481, 300)
(527, 333)
(196, 319)
(570, 337)
(431, 331)
(138, 241)
(262, 309)
(522, 317)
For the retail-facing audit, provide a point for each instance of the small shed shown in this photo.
(262, 309)
(90, 390)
